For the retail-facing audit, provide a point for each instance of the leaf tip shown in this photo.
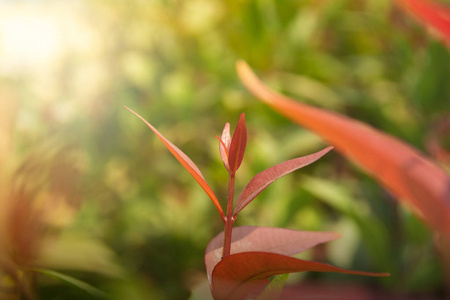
(244, 71)
(238, 144)
(241, 64)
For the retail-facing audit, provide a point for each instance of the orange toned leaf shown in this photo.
(275, 240)
(262, 180)
(431, 13)
(187, 163)
(402, 169)
(238, 144)
(239, 275)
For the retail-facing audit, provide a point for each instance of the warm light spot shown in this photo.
(28, 40)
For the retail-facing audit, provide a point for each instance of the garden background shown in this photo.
(125, 218)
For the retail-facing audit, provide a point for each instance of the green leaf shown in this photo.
(93, 291)
(77, 252)
(273, 289)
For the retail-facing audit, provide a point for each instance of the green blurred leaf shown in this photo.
(93, 291)
(375, 235)
(273, 289)
(76, 252)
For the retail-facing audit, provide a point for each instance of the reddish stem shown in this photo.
(229, 220)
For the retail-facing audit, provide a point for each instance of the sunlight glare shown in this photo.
(28, 41)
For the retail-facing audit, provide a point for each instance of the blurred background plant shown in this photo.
(68, 68)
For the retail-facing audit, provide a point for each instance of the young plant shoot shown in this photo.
(240, 260)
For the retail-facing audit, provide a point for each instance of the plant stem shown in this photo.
(229, 220)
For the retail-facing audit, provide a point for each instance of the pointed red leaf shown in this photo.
(432, 14)
(239, 275)
(187, 163)
(275, 240)
(262, 180)
(224, 147)
(402, 169)
(238, 144)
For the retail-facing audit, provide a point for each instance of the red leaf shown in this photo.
(396, 165)
(276, 240)
(187, 163)
(433, 14)
(224, 147)
(238, 144)
(266, 177)
(239, 275)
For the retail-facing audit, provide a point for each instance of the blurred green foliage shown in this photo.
(173, 62)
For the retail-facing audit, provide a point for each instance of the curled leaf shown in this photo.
(399, 167)
(262, 180)
(275, 240)
(238, 144)
(239, 275)
(224, 147)
(187, 163)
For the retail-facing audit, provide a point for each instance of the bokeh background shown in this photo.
(129, 220)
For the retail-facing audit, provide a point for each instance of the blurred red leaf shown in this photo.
(396, 165)
(239, 275)
(187, 163)
(238, 144)
(437, 138)
(431, 13)
(276, 240)
(263, 179)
